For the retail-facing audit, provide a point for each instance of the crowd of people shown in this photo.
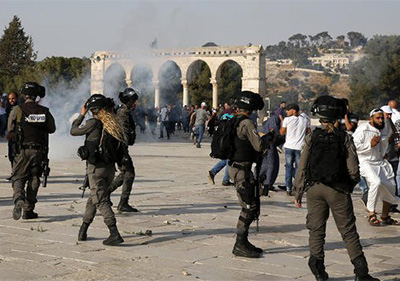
(325, 163)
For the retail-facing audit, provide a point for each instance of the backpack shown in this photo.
(107, 149)
(222, 145)
(110, 149)
(327, 160)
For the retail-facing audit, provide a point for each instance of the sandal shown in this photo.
(373, 220)
(389, 221)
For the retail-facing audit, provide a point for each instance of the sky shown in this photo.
(79, 28)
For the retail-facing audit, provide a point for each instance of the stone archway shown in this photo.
(250, 58)
(142, 80)
(198, 76)
(229, 76)
(114, 80)
(169, 83)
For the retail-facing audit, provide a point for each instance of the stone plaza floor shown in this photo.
(192, 224)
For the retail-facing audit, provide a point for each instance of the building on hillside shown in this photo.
(332, 61)
(279, 62)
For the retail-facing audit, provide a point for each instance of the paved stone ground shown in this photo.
(193, 225)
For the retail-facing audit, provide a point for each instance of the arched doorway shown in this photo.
(200, 88)
(114, 80)
(142, 80)
(229, 76)
(171, 90)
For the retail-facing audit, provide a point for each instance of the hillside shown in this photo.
(302, 86)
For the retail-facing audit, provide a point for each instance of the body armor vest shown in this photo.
(33, 123)
(243, 150)
(327, 161)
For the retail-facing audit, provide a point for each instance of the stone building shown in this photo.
(250, 58)
(332, 61)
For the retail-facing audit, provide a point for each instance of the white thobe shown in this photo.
(376, 170)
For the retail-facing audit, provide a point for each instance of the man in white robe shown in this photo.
(371, 141)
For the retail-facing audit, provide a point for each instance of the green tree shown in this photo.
(200, 87)
(299, 40)
(230, 82)
(356, 39)
(16, 54)
(171, 90)
(375, 78)
(324, 39)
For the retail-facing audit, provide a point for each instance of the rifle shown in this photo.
(46, 170)
(84, 185)
(45, 161)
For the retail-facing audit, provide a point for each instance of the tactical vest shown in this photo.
(243, 150)
(327, 160)
(33, 123)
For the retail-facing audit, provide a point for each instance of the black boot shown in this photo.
(114, 238)
(361, 269)
(17, 211)
(265, 190)
(123, 206)
(82, 235)
(28, 215)
(251, 246)
(317, 267)
(243, 249)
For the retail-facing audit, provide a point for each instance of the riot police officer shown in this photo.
(29, 125)
(101, 157)
(246, 144)
(328, 171)
(127, 175)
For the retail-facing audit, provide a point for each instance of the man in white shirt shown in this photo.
(371, 141)
(396, 113)
(295, 127)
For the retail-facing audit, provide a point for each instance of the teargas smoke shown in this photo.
(140, 34)
(63, 102)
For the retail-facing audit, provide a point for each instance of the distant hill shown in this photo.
(303, 87)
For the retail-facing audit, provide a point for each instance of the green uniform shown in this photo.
(33, 148)
(240, 173)
(100, 175)
(321, 198)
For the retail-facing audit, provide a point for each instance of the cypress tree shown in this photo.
(16, 53)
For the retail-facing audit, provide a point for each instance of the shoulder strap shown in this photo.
(239, 119)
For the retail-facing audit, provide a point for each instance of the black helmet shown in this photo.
(33, 89)
(249, 101)
(98, 101)
(328, 107)
(128, 94)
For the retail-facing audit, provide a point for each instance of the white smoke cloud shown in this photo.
(63, 103)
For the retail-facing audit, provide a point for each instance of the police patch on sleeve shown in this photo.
(36, 118)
